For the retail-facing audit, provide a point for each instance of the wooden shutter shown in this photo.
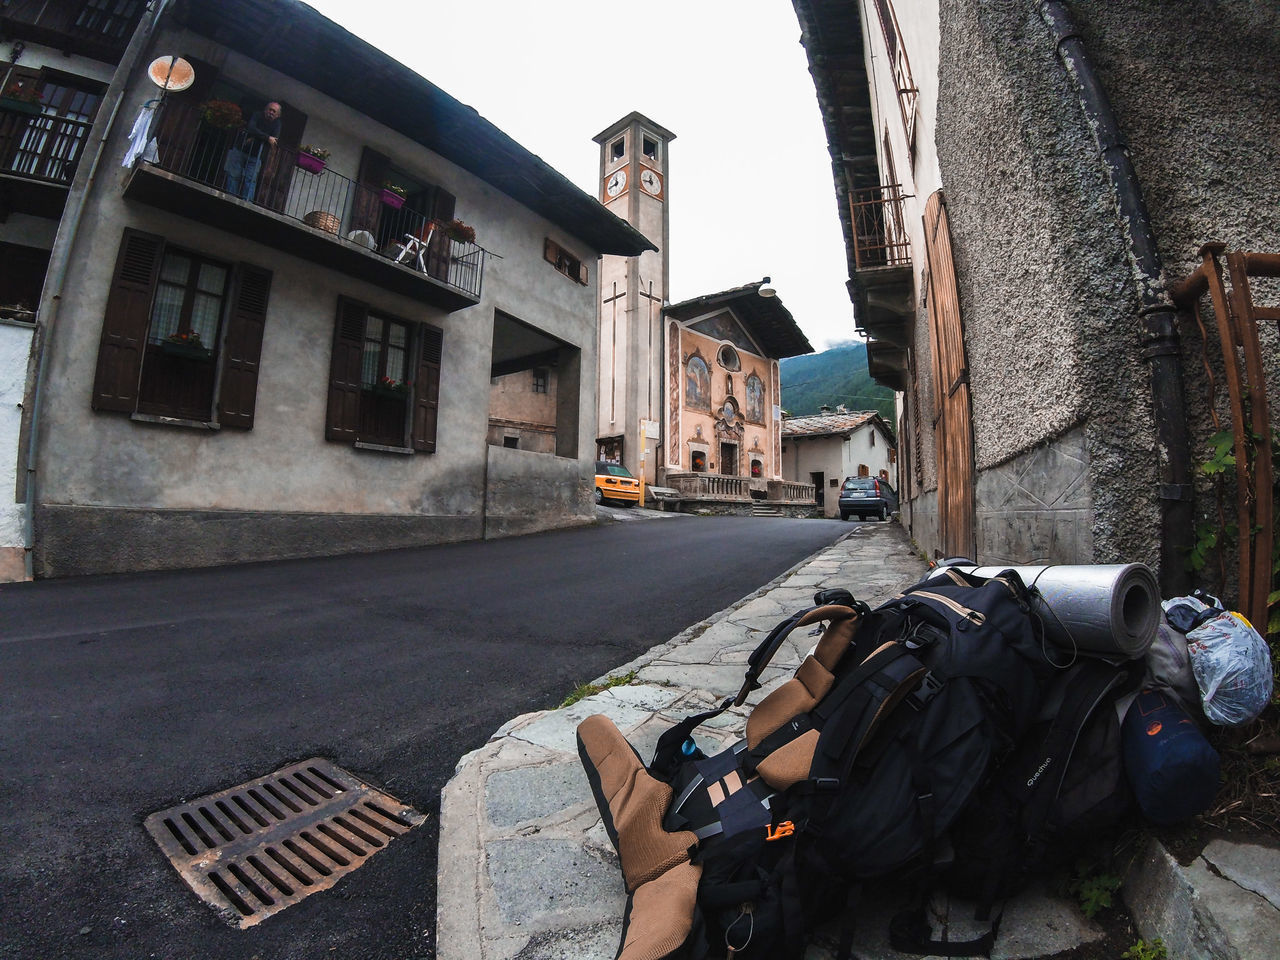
(278, 166)
(124, 327)
(582, 273)
(242, 348)
(440, 247)
(954, 426)
(550, 251)
(366, 209)
(343, 419)
(180, 118)
(426, 390)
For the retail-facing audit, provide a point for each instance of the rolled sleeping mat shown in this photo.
(1108, 608)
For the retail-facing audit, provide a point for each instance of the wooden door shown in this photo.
(953, 426)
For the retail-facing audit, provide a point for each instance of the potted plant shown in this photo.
(185, 343)
(221, 114)
(459, 231)
(21, 96)
(393, 195)
(312, 159)
(391, 387)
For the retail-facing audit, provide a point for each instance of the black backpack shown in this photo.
(855, 768)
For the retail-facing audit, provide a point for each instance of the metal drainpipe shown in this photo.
(1156, 312)
(53, 286)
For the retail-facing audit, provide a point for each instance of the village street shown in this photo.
(124, 695)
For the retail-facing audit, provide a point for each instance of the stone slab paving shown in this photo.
(527, 871)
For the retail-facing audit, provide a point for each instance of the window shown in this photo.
(565, 262)
(173, 318)
(511, 443)
(384, 380)
(47, 146)
(873, 438)
(616, 150)
(728, 358)
(757, 468)
(540, 380)
(698, 461)
(650, 148)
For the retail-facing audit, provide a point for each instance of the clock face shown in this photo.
(616, 183)
(651, 182)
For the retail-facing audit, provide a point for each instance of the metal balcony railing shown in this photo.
(880, 235)
(40, 146)
(354, 214)
(91, 27)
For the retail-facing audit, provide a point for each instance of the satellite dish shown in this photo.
(171, 74)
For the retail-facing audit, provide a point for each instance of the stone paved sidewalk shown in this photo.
(526, 870)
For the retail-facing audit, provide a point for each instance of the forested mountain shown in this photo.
(838, 375)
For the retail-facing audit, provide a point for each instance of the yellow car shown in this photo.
(615, 482)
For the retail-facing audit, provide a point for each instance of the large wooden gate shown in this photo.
(953, 423)
(1238, 318)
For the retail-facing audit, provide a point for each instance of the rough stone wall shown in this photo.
(1047, 296)
(1196, 89)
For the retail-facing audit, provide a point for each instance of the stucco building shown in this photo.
(58, 60)
(825, 448)
(1039, 202)
(305, 366)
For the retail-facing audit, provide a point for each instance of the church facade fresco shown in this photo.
(719, 422)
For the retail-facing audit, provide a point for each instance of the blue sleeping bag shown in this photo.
(1172, 768)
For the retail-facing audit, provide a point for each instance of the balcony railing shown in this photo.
(791, 490)
(40, 146)
(352, 213)
(879, 228)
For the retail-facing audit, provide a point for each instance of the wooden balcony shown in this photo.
(97, 30)
(39, 153)
(882, 285)
(321, 216)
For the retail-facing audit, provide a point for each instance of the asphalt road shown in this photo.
(124, 695)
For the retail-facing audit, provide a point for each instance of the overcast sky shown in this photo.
(750, 185)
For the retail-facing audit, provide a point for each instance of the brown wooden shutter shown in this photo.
(343, 419)
(550, 251)
(180, 117)
(278, 166)
(954, 426)
(582, 273)
(440, 248)
(366, 208)
(426, 390)
(124, 327)
(242, 348)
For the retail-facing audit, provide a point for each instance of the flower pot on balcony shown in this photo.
(14, 105)
(188, 351)
(309, 163)
(392, 199)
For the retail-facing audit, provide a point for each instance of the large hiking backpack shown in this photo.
(853, 769)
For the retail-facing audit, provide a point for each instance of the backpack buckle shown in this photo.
(825, 784)
(928, 689)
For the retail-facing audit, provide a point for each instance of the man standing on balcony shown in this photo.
(244, 159)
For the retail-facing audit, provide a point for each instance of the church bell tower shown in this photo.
(634, 186)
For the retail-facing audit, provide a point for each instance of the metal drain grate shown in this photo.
(257, 848)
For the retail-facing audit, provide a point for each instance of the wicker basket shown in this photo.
(322, 220)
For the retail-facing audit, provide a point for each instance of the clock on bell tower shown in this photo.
(634, 186)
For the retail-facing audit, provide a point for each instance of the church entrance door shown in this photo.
(728, 459)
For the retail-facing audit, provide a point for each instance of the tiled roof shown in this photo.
(765, 318)
(827, 424)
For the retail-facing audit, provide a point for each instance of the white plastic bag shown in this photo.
(1231, 663)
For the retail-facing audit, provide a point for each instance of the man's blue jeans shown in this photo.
(242, 174)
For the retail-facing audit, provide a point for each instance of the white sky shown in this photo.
(750, 184)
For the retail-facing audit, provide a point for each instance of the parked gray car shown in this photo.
(866, 497)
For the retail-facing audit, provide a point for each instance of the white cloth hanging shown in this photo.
(138, 140)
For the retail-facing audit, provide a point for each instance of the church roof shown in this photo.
(766, 318)
(292, 38)
(833, 424)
